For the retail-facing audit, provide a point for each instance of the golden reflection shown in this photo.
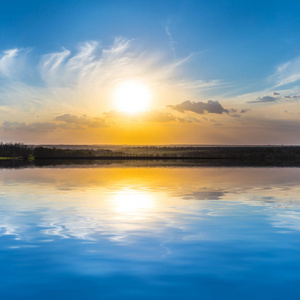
(179, 181)
(114, 201)
(133, 202)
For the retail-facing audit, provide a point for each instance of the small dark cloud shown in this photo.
(293, 97)
(236, 113)
(213, 107)
(244, 110)
(265, 99)
(276, 96)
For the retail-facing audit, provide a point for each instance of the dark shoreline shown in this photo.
(149, 163)
(132, 158)
(19, 154)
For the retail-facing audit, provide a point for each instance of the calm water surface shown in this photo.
(150, 233)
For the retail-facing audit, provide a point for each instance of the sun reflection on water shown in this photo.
(119, 202)
(188, 229)
(133, 202)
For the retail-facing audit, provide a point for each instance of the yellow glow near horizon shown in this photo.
(132, 96)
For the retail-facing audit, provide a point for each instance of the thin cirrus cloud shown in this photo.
(201, 84)
(286, 73)
(84, 78)
(7, 61)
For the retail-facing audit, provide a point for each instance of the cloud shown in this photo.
(265, 99)
(66, 122)
(163, 117)
(292, 97)
(276, 96)
(149, 116)
(157, 116)
(244, 110)
(7, 62)
(210, 106)
(32, 127)
(82, 121)
(68, 80)
(286, 219)
(200, 84)
(171, 40)
(287, 73)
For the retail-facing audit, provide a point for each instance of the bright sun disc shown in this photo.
(132, 97)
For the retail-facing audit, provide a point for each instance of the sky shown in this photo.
(194, 72)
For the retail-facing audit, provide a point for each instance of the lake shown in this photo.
(122, 231)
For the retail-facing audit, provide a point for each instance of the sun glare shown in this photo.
(133, 202)
(132, 97)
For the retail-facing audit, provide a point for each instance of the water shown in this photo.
(115, 232)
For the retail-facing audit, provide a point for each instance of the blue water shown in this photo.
(150, 233)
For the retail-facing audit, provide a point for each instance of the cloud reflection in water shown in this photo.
(157, 230)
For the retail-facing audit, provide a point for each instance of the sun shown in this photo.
(132, 96)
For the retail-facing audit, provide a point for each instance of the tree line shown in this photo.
(250, 153)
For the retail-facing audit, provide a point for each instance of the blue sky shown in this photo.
(237, 41)
(251, 48)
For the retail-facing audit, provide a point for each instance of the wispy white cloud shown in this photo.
(7, 62)
(201, 84)
(83, 80)
(171, 40)
(286, 73)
